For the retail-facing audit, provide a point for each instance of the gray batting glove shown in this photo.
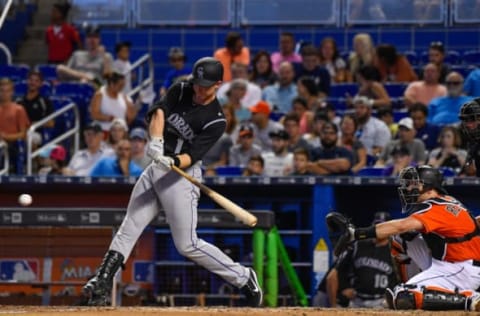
(164, 162)
(155, 148)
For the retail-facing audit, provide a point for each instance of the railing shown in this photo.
(106, 12)
(142, 82)
(75, 131)
(4, 47)
(6, 159)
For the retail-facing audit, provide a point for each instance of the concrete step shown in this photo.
(35, 32)
(41, 19)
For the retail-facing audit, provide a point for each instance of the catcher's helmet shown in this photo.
(410, 180)
(207, 71)
(470, 112)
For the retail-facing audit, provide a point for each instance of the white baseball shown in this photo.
(25, 199)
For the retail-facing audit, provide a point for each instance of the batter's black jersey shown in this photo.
(369, 267)
(189, 128)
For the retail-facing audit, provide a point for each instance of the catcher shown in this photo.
(451, 233)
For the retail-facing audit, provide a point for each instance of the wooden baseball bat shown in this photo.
(243, 215)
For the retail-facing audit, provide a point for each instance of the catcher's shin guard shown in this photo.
(99, 287)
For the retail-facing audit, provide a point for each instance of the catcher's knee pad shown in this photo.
(403, 296)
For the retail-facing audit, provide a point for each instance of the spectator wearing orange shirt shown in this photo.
(392, 66)
(233, 52)
(62, 38)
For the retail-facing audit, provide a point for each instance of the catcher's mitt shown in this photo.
(339, 225)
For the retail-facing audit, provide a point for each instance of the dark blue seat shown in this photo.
(338, 103)
(14, 72)
(340, 90)
(424, 58)
(447, 172)
(471, 57)
(80, 93)
(49, 72)
(229, 171)
(395, 90)
(452, 57)
(370, 172)
(276, 116)
(21, 89)
(411, 56)
(399, 114)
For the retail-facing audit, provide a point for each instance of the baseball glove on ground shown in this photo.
(339, 225)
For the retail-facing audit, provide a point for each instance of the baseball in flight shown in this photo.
(25, 199)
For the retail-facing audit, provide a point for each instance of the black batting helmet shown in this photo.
(207, 71)
(410, 180)
(470, 112)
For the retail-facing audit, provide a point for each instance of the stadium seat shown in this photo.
(424, 58)
(371, 172)
(399, 114)
(21, 89)
(452, 57)
(395, 90)
(464, 70)
(338, 103)
(14, 72)
(448, 172)
(80, 93)
(229, 171)
(340, 90)
(371, 160)
(471, 57)
(411, 57)
(276, 116)
(49, 72)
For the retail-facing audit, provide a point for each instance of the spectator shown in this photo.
(262, 71)
(363, 53)
(425, 90)
(241, 153)
(118, 131)
(291, 123)
(472, 83)
(232, 127)
(122, 64)
(401, 158)
(308, 90)
(331, 60)
(300, 108)
(118, 166)
(448, 154)
(310, 67)
(301, 157)
(89, 65)
(281, 94)
(348, 127)
(436, 55)
(254, 167)
(385, 114)
(43, 164)
(426, 132)
(444, 110)
(61, 37)
(406, 138)
(109, 103)
(330, 159)
(36, 105)
(217, 156)
(278, 162)
(179, 70)
(236, 92)
(83, 161)
(253, 94)
(138, 140)
(392, 66)
(287, 52)
(56, 165)
(263, 125)
(14, 120)
(233, 52)
(313, 138)
(370, 86)
(331, 113)
(373, 133)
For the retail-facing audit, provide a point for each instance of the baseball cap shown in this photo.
(406, 122)
(139, 132)
(360, 99)
(119, 122)
(93, 126)
(261, 107)
(282, 134)
(207, 71)
(175, 51)
(45, 152)
(58, 153)
(245, 130)
(400, 150)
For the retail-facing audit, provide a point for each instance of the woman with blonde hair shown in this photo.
(363, 53)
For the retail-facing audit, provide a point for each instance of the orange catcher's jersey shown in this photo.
(450, 231)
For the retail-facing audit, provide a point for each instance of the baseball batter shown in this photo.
(450, 232)
(182, 129)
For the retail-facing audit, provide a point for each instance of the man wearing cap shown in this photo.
(83, 161)
(372, 132)
(139, 139)
(263, 125)
(56, 165)
(178, 72)
(406, 138)
(278, 162)
(245, 148)
(89, 65)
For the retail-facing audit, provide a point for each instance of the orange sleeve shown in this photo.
(405, 71)
(245, 56)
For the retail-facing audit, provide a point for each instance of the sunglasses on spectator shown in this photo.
(436, 44)
(453, 83)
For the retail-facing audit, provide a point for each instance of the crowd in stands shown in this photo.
(302, 110)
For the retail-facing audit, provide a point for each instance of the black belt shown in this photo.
(476, 263)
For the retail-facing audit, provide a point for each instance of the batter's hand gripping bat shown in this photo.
(243, 215)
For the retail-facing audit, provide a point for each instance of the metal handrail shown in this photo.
(6, 162)
(143, 82)
(5, 12)
(75, 131)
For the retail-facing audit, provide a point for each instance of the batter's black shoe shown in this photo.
(99, 288)
(253, 291)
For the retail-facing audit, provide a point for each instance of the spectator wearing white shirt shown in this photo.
(278, 162)
(253, 94)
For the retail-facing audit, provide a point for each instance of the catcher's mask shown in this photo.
(417, 180)
(470, 119)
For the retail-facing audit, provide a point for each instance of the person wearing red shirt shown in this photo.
(62, 38)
